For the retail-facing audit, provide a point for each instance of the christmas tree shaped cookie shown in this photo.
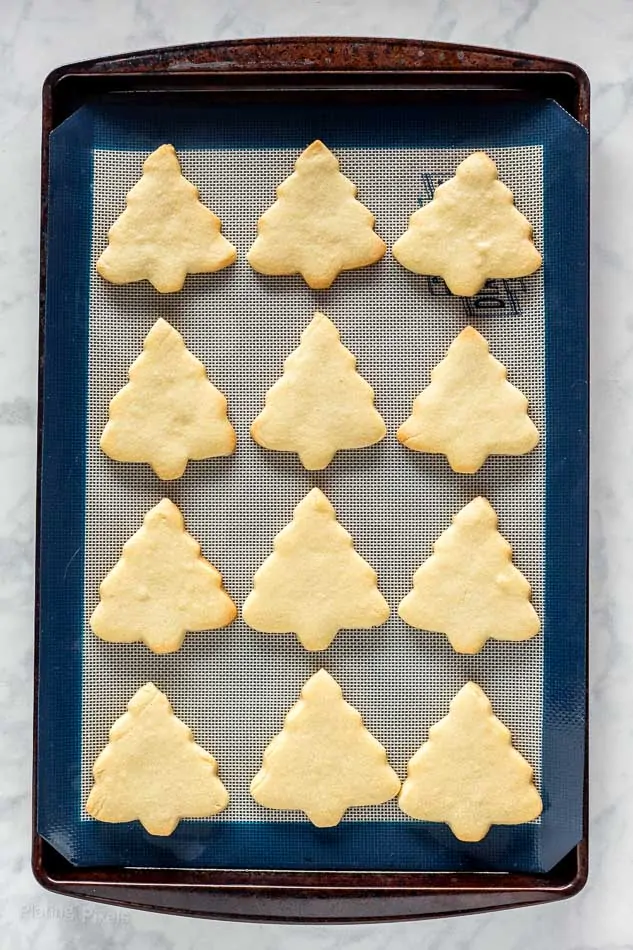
(169, 412)
(469, 232)
(469, 588)
(324, 760)
(314, 584)
(161, 587)
(316, 227)
(468, 774)
(320, 404)
(470, 410)
(153, 771)
(165, 231)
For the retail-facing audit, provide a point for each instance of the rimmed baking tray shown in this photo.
(328, 79)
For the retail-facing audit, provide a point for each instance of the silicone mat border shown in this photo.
(62, 517)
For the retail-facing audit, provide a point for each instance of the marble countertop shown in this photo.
(37, 35)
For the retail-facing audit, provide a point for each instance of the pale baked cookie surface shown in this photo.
(314, 583)
(471, 231)
(470, 410)
(316, 227)
(153, 771)
(169, 412)
(469, 589)
(165, 231)
(324, 760)
(321, 404)
(468, 775)
(161, 587)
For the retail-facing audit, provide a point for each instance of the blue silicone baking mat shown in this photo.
(233, 686)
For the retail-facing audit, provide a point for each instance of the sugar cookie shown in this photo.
(469, 588)
(316, 227)
(320, 404)
(169, 412)
(165, 231)
(470, 410)
(468, 774)
(314, 583)
(161, 587)
(153, 771)
(469, 232)
(324, 760)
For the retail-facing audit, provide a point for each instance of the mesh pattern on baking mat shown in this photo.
(234, 686)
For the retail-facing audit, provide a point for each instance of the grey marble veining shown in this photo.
(37, 35)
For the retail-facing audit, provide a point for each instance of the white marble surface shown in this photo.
(36, 35)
